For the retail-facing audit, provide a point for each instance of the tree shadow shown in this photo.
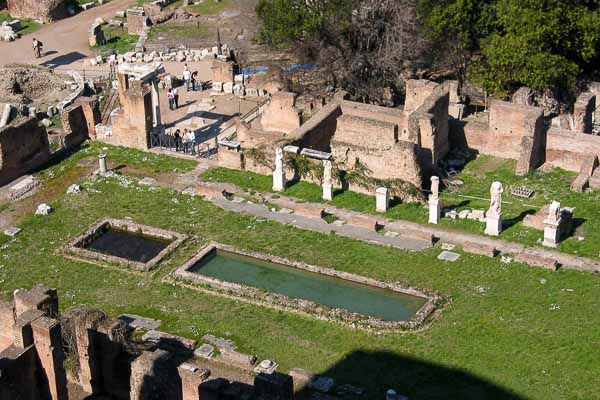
(509, 223)
(378, 371)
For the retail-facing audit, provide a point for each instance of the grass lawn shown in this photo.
(510, 331)
(210, 7)
(28, 25)
(477, 176)
(117, 41)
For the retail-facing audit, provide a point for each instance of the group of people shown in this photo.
(190, 82)
(185, 142)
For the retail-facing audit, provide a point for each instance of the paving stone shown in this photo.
(448, 246)
(205, 351)
(147, 182)
(448, 256)
(138, 322)
(222, 344)
(12, 232)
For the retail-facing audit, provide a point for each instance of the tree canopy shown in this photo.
(499, 44)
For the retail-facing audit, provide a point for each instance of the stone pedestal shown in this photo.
(102, 163)
(327, 191)
(327, 180)
(493, 224)
(435, 211)
(382, 198)
(551, 234)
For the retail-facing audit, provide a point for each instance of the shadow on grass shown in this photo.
(379, 371)
(509, 223)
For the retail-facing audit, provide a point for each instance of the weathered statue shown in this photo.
(278, 159)
(435, 189)
(554, 213)
(496, 199)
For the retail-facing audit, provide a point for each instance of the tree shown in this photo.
(455, 28)
(539, 43)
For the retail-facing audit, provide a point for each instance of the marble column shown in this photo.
(279, 172)
(327, 181)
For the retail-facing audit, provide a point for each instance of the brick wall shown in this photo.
(41, 10)
(281, 115)
(23, 146)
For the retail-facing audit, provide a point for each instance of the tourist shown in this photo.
(187, 77)
(196, 84)
(176, 97)
(171, 98)
(177, 139)
(37, 48)
(191, 140)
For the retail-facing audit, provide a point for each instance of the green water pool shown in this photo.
(383, 304)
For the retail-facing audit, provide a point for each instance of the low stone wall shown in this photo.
(23, 147)
(319, 311)
(77, 246)
(570, 150)
(39, 10)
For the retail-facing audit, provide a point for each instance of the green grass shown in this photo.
(477, 176)
(210, 7)
(508, 327)
(28, 25)
(117, 41)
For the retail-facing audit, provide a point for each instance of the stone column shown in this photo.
(327, 181)
(156, 119)
(382, 199)
(435, 209)
(493, 217)
(279, 172)
(102, 163)
(88, 368)
(191, 378)
(48, 344)
(552, 226)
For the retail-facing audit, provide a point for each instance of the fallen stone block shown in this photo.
(12, 232)
(536, 260)
(240, 359)
(480, 249)
(309, 210)
(169, 342)
(138, 322)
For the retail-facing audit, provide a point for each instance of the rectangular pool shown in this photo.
(128, 245)
(383, 304)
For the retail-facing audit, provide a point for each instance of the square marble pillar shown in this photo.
(551, 234)
(382, 199)
(435, 211)
(493, 224)
(327, 191)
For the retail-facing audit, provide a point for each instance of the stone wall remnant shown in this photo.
(39, 10)
(281, 115)
(23, 147)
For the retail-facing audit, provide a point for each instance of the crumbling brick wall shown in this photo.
(569, 150)
(23, 147)
(133, 121)
(375, 144)
(40, 10)
(502, 136)
(222, 71)
(281, 115)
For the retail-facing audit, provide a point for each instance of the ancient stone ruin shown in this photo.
(35, 342)
(39, 10)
